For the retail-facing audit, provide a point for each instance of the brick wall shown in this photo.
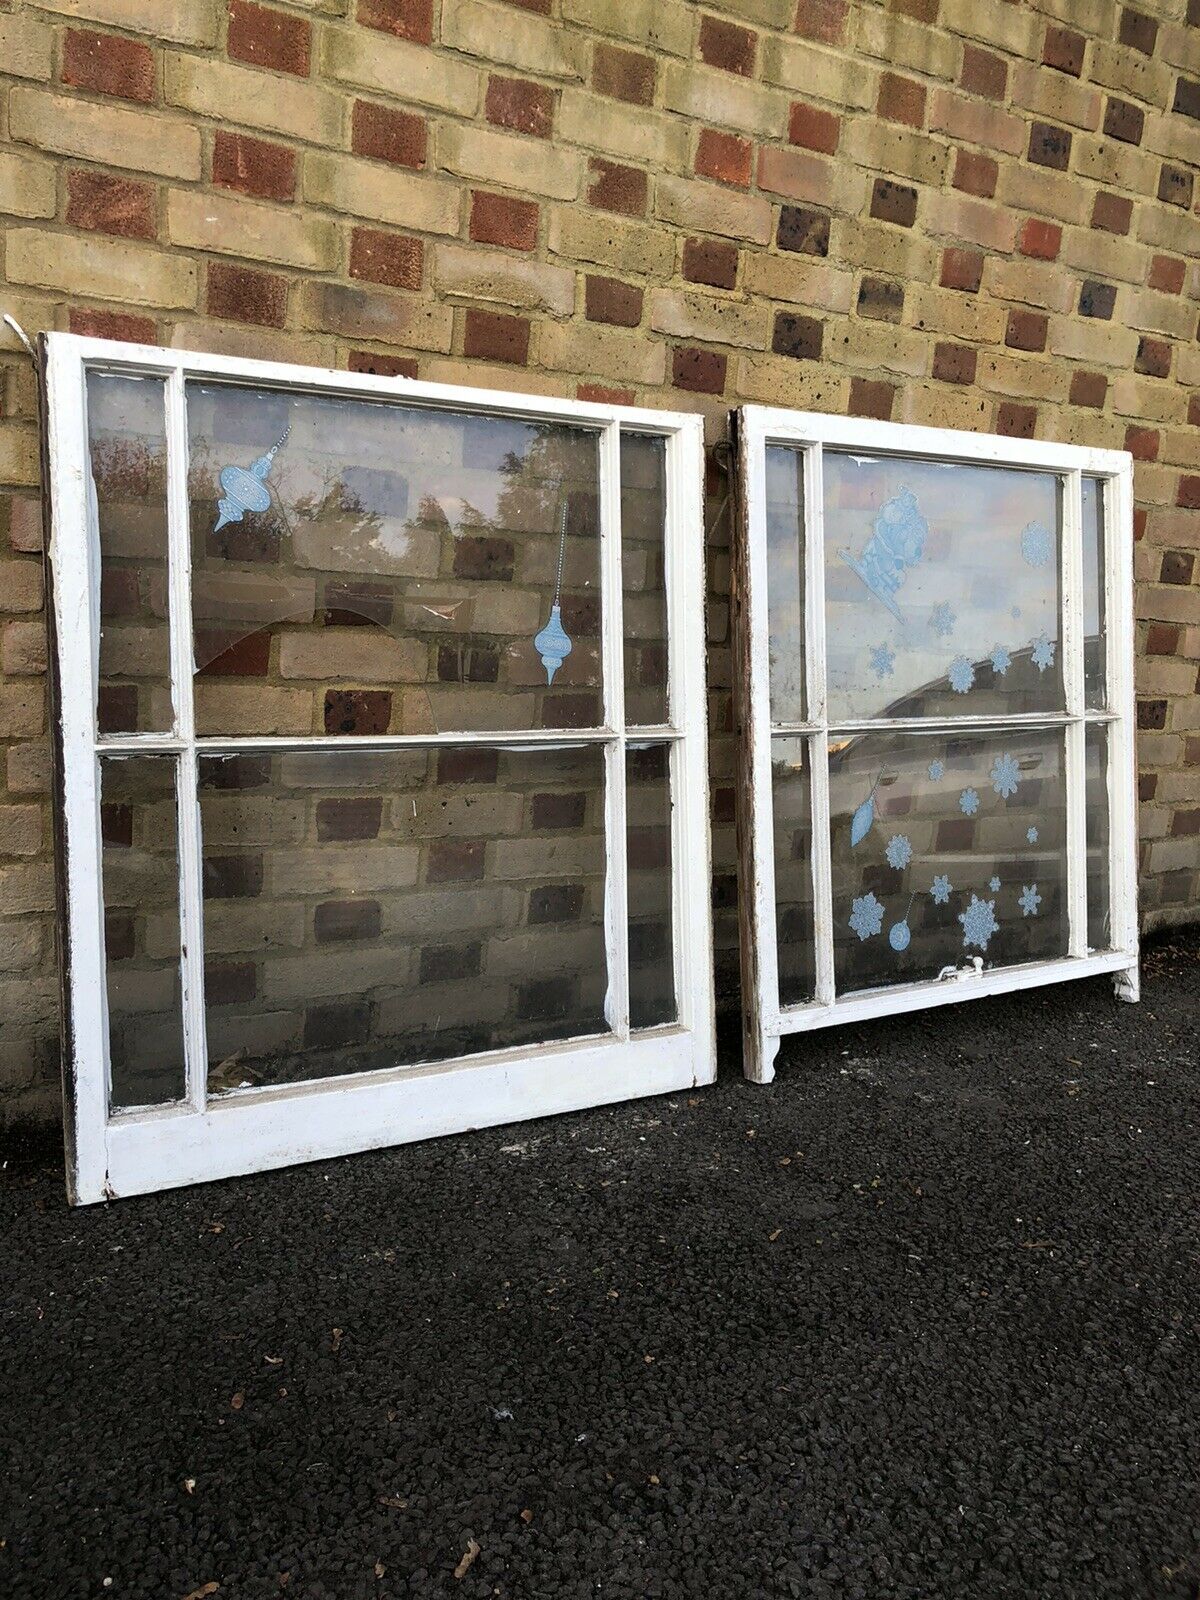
(978, 215)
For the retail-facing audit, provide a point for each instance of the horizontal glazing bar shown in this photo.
(134, 744)
(1041, 719)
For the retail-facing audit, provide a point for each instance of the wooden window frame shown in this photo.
(765, 1020)
(201, 1138)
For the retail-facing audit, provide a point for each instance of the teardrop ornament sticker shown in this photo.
(246, 488)
(553, 643)
(863, 819)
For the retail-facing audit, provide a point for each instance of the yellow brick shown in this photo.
(866, 346)
(232, 225)
(960, 316)
(942, 405)
(380, 193)
(26, 887)
(1146, 309)
(1170, 229)
(1045, 193)
(26, 47)
(899, 42)
(725, 99)
(101, 269)
(23, 650)
(1018, 32)
(581, 234)
(26, 186)
(778, 381)
(1054, 95)
(1168, 135)
(1118, 166)
(1000, 372)
(979, 222)
(22, 711)
(1088, 339)
(1101, 254)
(633, 133)
(801, 175)
(378, 314)
(479, 374)
(715, 319)
(818, 74)
(975, 121)
(508, 280)
(611, 353)
(142, 140)
(533, 166)
(21, 585)
(800, 280)
(885, 148)
(1131, 73)
(662, 24)
(1134, 397)
(370, 60)
(516, 38)
(709, 208)
(880, 248)
(248, 343)
(1031, 283)
(180, 21)
(275, 101)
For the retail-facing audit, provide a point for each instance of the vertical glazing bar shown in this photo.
(818, 745)
(183, 666)
(1122, 752)
(612, 659)
(1075, 754)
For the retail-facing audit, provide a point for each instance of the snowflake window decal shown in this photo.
(1037, 544)
(1031, 835)
(942, 619)
(961, 674)
(937, 770)
(1029, 900)
(898, 852)
(866, 915)
(1005, 775)
(978, 922)
(883, 661)
(968, 802)
(1001, 660)
(1043, 652)
(940, 889)
(994, 884)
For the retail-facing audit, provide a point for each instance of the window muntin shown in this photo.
(847, 523)
(540, 923)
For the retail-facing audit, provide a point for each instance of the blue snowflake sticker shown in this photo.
(883, 661)
(968, 802)
(942, 620)
(940, 889)
(898, 852)
(1037, 544)
(866, 917)
(961, 674)
(937, 770)
(1032, 835)
(1001, 660)
(1043, 652)
(1030, 900)
(994, 885)
(1005, 775)
(979, 922)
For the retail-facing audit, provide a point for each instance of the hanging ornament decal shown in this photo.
(897, 542)
(860, 822)
(900, 934)
(246, 487)
(553, 643)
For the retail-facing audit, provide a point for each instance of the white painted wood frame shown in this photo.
(757, 428)
(202, 1137)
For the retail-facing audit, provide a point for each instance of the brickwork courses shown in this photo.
(970, 215)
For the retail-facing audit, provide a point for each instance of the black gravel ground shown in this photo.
(923, 1319)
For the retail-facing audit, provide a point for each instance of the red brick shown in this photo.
(392, 258)
(357, 711)
(338, 920)
(725, 45)
(1162, 639)
(98, 201)
(610, 300)
(113, 325)
(821, 20)
(253, 166)
(901, 100)
(880, 299)
(382, 366)
(229, 983)
(623, 74)
(1124, 121)
(107, 64)
(1177, 566)
(455, 860)
(813, 128)
(1175, 186)
(1016, 421)
(1139, 524)
(1139, 31)
(407, 19)
(541, 8)
(983, 73)
(518, 104)
(1026, 330)
(1188, 495)
(501, 219)
(1049, 146)
(724, 156)
(894, 202)
(797, 336)
(1185, 823)
(975, 173)
(870, 397)
(961, 269)
(1153, 359)
(388, 135)
(601, 395)
(1167, 273)
(1112, 212)
(1194, 410)
(1142, 443)
(244, 295)
(1040, 239)
(613, 187)
(467, 765)
(1097, 299)
(1064, 49)
(954, 363)
(227, 653)
(356, 818)
(710, 261)
(702, 371)
(494, 336)
(803, 230)
(266, 38)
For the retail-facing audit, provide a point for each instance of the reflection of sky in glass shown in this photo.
(785, 583)
(970, 567)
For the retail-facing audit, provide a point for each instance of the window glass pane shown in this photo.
(368, 909)
(643, 577)
(365, 567)
(785, 582)
(651, 941)
(1099, 925)
(792, 809)
(140, 870)
(128, 448)
(942, 588)
(1094, 664)
(946, 847)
